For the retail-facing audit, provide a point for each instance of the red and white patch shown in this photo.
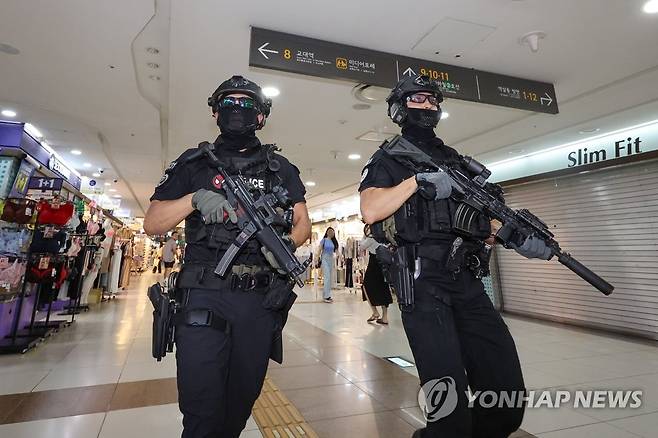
(217, 181)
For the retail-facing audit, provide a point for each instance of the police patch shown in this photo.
(217, 181)
(364, 174)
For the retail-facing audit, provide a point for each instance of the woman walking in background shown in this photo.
(327, 247)
(375, 288)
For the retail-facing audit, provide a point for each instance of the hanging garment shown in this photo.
(115, 267)
(349, 280)
(14, 240)
(53, 213)
(63, 291)
(89, 279)
(19, 211)
(51, 245)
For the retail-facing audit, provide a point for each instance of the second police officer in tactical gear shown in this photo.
(457, 337)
(224, 334)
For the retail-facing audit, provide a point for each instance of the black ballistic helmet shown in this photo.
(397, 105)
(238, 84)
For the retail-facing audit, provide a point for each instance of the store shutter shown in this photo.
(608, 220)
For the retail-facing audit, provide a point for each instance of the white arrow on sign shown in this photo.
(409, 72)
(545, 98)
(262, 50)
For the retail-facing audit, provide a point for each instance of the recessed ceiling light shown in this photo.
(444, 115)
(651, 7)
(87, 164)
(589, 130)
(108, 184)
(96, 175)
(310, 183)
(9, 49)
(8, 113)
(271, 91)
(153, 65)
(354, 156)
(116, 196)
(33, 131)
(76, 152)
(113, 190)
(152, 50)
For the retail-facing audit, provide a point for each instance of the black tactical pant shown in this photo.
(455, 333)
(220, 375)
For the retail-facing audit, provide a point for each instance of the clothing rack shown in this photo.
(14, 343)
(74, 308)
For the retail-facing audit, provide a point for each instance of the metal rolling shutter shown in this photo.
(608, 220)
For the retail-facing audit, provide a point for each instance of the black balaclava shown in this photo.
(423, 118)
(418, 132)
(237, 120)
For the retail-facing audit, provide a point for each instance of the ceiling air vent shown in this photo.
(369, 93)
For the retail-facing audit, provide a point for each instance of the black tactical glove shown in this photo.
(534, 248)
(213, 206)
(270, 257)
(441, 182)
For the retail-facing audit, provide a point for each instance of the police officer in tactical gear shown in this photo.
(225, 335)
(457, 337)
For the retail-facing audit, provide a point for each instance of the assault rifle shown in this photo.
(486, 197)
(256, 218)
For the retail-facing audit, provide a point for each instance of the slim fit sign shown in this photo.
(621, 148)
(607, 147)
(313, 57)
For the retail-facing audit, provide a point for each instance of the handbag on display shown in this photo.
(18, 211)
(54, 213)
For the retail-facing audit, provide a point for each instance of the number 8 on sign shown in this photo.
(287, 54)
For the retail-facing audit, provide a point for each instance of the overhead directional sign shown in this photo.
(456, 82)
(517, 93)
(291, 53)
(309, 56)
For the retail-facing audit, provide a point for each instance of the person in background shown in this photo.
(375, 287)
(326, 249)
(157, 261)
(169, 254)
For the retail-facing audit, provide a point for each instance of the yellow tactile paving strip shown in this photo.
(277, 417)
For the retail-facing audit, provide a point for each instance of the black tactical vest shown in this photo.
(260, 169)
(422, 220)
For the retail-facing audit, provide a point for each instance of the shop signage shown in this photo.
(309, 56)
(56, 165)
(42, 183)
(19, 189)
(92, 186)
(634, 140)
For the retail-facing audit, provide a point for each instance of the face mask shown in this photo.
(423, 118)
(237, 120)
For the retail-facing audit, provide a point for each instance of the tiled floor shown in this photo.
(97, 378)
